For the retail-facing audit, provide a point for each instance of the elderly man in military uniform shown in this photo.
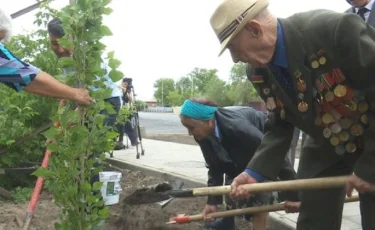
(315, 71)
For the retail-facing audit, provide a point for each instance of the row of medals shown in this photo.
(341, 111)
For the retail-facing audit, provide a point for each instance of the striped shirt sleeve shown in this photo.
(13, 72)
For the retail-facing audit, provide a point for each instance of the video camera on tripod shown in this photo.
(129, 93)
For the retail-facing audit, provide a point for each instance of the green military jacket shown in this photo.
(331, 60)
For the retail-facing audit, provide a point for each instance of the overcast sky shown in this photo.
(166, 38)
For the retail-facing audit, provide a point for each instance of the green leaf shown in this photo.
(105, 31)
(87, 186)
(103, 212)
(111, 54)
(116, 75)
(51, 133)
(114, 63)
(107, 11)
(53, 147)
(43, 172)
(97, 186)
(66, 62)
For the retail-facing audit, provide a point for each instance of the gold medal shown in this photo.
(340, 91)
(327, 118)
(322, 60)
(327, 132)
(315, 64)
(345, 123)
(364, 119)
(350, 147)
(351, 105)
(329, 96)
(344, 136)
(340, 150)
(303, 107)
(363, 106)
(334, 140)
(356, 130)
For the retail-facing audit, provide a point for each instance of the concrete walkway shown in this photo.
(187, 161)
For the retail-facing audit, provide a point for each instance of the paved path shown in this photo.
(188, 161)
(161, 123)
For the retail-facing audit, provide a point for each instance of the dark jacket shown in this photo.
(347, 46)
(241, 131)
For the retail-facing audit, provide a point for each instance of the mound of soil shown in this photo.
(123, 216)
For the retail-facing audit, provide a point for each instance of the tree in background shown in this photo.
(163, 87)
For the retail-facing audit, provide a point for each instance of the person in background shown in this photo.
(228, 138)
(127, 128)
(364, 8)
(20, 75)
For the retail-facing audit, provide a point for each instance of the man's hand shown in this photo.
(207, 210)
(82, 97)
(360, 185)
(237, 191)
(291, 207)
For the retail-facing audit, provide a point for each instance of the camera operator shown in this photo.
(127, 100)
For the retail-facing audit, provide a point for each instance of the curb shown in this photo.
(276, 221)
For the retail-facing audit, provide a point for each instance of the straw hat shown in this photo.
(232, 15)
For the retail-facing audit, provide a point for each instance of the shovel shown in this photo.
(290, 185)
(184, 219)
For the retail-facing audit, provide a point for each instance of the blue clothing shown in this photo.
(15, 73)
(279, 67)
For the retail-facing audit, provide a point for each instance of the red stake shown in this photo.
(39, 184)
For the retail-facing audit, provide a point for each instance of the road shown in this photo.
(161, 123)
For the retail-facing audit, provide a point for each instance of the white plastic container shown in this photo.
(111, 187)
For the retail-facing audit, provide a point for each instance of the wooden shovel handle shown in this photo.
(288, 185)
(253, 210)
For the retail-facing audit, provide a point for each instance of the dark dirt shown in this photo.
(144, 196)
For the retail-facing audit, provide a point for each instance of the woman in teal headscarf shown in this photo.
(228, 138)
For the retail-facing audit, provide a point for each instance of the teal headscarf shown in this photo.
(198, 111)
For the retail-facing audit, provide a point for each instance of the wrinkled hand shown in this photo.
(82, 97)
(291, 207)
(207, 210)
(238, 192)
(360, 185)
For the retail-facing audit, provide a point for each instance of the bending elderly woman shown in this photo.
(23, 76)
(228, 138)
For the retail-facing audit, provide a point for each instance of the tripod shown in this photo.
(138, 129)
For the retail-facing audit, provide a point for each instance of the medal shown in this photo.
(282, 114)
(364, 119)
(351, 105)
(315, 64)
(335, 128)
(345, 123)
(327, 132)
(344, 136)
(318, 121)
(363, 106)
(266, 91)
(271, 105)
(301, 86)
(335, 114)
(334, 140)
(350, 147)
(340, 150)
(340, 91)
(327, 118)
(329, 96)
(322, 60)
(338, 75)
(356, 130)
(303, 107)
